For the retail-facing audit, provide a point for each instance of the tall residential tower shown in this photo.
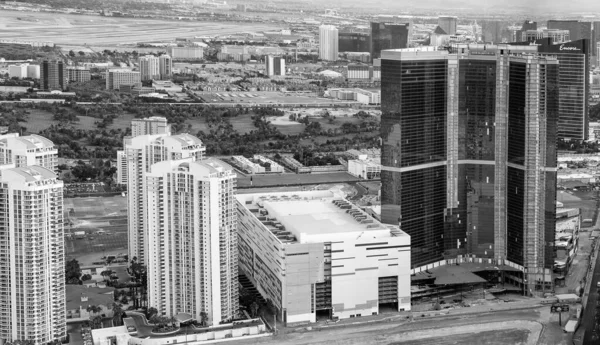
(141, 153)
(192, 235)
(32, 256)
(328, 43)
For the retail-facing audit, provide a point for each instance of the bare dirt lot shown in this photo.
(73, 30)
(104, 220)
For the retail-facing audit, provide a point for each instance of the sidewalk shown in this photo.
(530, 303)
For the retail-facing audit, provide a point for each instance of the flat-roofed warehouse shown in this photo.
(314, 253)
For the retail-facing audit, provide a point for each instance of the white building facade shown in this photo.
(149, 67)
(32, 264)
(141, 153)
(28, 150)
(117, 77)
(328, 43)
(192, 235)
(312, 252)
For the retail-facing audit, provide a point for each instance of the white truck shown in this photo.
(571, 326)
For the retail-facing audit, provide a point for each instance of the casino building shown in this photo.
(469, 159)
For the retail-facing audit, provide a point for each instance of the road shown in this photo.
(525, 325)
(589, 313)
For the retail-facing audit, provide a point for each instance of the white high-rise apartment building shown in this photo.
(328, 43)
(28, 150)
(275, 66)
(32, 264)
(150, 125)
(165, 66)
(149, 67)
(192, 235)
(117, 77)
(141, 153)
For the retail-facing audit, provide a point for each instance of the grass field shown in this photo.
(82, 30)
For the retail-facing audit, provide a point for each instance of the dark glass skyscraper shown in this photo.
(573, 84)
(354, 42)
(53, 75)
(579, 30)
(388, 36)
(469, 164)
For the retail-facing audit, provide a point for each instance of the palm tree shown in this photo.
(93, 309)
(106, 274)
(203, 318)
(151, 312)
(96, 322)
(117, 313)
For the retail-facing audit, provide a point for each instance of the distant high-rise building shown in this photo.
(594, 43)
(573, 84)
(32, 259)
(78, 74)
(328, 43)
(150, 125)
(53, 75)
(192, 235)
(146, 126)
(527, 25)
(355, 42)
(141, 153)
(469, 157)
(149, 67)
(578, 30)
(496, 31)
(28, 150)
(448, 24)
(117, 77)
(275, 65)
(388, 36)
(555, 35)
(165, 66)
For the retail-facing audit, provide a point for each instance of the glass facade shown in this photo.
(388, 36)
(414, 146)
(573, 81)
(473, 229)
(354, 42)
(446, 195)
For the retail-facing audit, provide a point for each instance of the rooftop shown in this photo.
(96, 296)
(314, 217)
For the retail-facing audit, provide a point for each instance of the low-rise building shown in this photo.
(312, 252)
(364, 167)
(79, 298)
(78, 74)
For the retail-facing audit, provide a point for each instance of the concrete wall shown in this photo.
(359, 264)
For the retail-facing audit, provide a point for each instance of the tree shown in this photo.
(96, 322)
(72, 272)
(151, 312)
(71, 53)
(117, 313)
(93, 309)
(106, 274)
(203, 318)
(86, 277)
(81, 53)
(254, 309)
